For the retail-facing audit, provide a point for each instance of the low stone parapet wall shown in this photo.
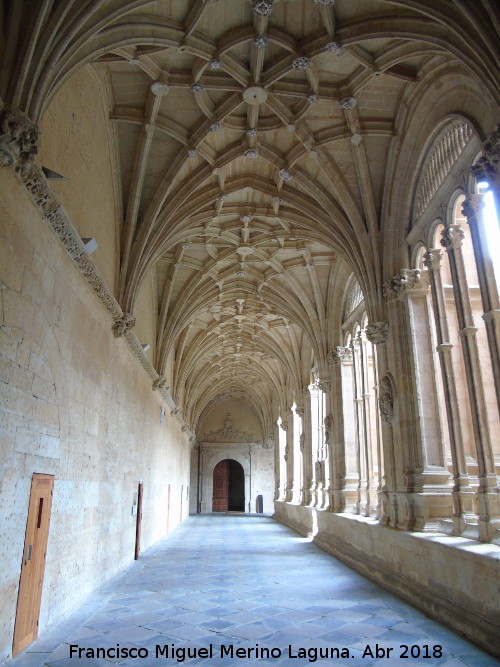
(454, 580)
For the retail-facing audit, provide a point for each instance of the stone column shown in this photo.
(378, 435)
(488, 496)
(336, 444)
(425, 473)
(278, 492)
(287, 426)
(472, 209)
(378, 334)
(306, 448)
(349, 431)
(298, 454)
(462, 492)
(358, 422)
(367, 508)
(324, 453)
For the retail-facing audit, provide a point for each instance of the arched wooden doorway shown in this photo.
(229, 487)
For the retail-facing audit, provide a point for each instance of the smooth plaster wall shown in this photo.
(78, 405)
(453, 579)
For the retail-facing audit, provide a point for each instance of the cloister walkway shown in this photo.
(249, 588)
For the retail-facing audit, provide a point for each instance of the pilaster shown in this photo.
(336, 442)
(378, 334)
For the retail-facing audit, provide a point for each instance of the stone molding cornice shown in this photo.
(34, 181)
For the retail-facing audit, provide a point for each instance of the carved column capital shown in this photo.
(471, 206)
(433, 259)
(299, 409)
(487, 167)
(123, 324)
(378, 333)
(19, 139)
(345, 354)
(452, 237)
(325, 386)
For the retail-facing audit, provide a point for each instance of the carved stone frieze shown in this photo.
(378, 333)
(123, 324)
(228, 433)
(487, 167)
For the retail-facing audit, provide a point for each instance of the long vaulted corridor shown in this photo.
(249, 263)
(247, 583)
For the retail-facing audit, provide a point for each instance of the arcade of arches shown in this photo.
(253, 232)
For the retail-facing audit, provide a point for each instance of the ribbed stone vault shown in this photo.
(254, 140)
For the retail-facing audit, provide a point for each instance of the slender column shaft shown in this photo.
(473, 210)
(462, 492)
(452, 238)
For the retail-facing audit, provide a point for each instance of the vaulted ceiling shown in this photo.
(256, 142)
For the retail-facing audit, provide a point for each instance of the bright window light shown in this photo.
(491, 227)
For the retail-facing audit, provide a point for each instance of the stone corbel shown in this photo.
(123, 324)
(160, 383)
(333, 357)
(408, 281)
(19, 140)
(378, 333)
(487, 167)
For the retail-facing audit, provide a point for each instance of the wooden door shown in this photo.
(220, 492)
(138, 523)
(33, 562)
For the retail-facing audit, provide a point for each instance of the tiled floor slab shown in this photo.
(237, 585)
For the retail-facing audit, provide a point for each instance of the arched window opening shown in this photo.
(360, 416)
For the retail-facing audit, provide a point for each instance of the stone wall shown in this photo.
(453, 579)
(77, 405)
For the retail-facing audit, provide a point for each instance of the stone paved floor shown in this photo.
(248, 582)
